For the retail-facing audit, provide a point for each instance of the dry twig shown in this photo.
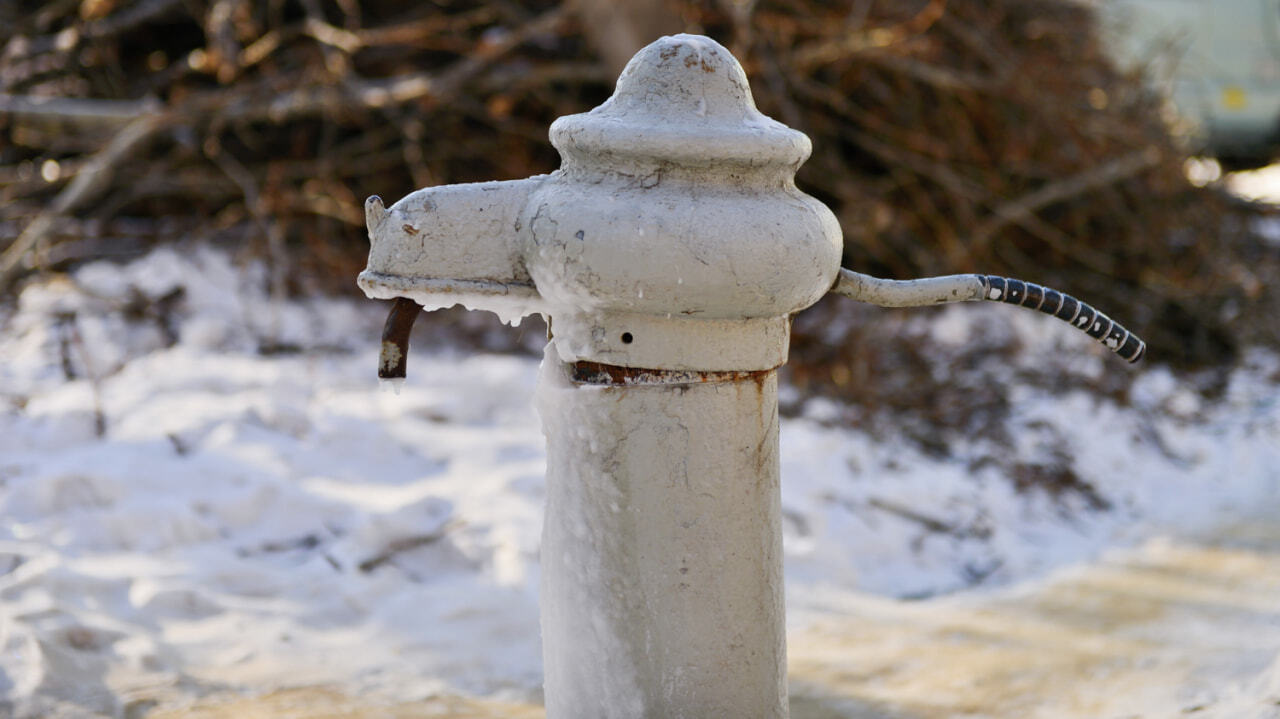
(90, 181)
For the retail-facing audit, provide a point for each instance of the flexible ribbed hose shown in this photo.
(964, 288)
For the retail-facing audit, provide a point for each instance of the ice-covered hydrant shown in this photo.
(668, 254)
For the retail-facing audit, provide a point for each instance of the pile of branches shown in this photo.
(951, 136)
(972, 135)
(129, 122)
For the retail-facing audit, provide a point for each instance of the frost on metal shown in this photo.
(449, 245)
(669, 252)
(672, 237)
(662, 588)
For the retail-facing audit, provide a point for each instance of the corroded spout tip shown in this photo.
(394, 358)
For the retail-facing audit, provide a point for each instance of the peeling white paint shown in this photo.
(677, 170)
(661, 591)
(672, 239)
(911, 293)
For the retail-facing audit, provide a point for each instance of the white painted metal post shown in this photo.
(662, 552)
(668, 254)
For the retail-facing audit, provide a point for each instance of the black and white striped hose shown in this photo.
(964, 288)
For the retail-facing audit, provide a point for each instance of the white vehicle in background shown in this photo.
(1219, 61)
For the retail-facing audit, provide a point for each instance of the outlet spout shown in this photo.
(454, 244)
(394, 358)
(441, 246)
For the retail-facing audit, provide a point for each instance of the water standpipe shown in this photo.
(668, 254)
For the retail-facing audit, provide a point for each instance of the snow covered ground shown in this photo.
(183, 514)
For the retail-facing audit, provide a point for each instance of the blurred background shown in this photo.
(1029, 139)
(1003, 137)
(951, 136)
(1107, 149)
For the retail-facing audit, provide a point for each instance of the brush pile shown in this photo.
(950, 136)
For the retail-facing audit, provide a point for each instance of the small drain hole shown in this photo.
(627, 338)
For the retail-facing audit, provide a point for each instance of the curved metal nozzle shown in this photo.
(963, 288)
(394, 358)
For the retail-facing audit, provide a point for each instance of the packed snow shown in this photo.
(185, 513)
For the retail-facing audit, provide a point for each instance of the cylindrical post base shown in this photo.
(662, 591)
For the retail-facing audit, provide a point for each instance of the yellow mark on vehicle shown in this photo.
(1234, 97)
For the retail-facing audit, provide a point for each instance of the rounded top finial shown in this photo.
(687, 78)
(682, 98)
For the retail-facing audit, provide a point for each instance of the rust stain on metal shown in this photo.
(598, 373)
(393, 360)
(392, 356)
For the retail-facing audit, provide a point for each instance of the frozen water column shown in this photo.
(671, 251)
(668, 253)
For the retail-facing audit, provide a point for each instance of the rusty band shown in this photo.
(596, 373)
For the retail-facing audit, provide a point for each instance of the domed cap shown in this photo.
(684, 99)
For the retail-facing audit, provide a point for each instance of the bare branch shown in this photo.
(1021, 208)
(76, 110)
(618, 30)
(90, 181)
(846, 44)
(369, 94)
